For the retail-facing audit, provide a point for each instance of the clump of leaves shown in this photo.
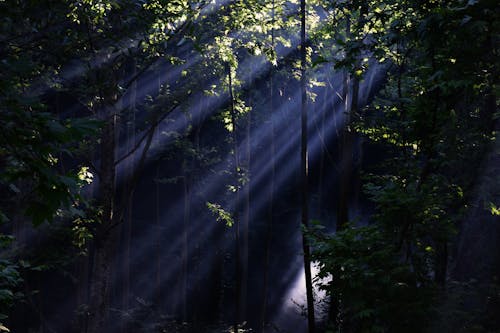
(221, 215)
(370, 288)
(30, 161)
(10, 279)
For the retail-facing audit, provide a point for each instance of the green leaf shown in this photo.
(495, 210)
(221, 214)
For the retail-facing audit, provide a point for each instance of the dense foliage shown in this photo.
(435, 118)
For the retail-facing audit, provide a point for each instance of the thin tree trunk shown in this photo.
(270, 210)
(197, 248)
(305, 172)
(128, 197)
(158, 301)
(85, 273)
(185, 250)
(236, 225)
(246, 218)
(324, 150)
(185, 240)
(126, 239)
(99, 291)
(82, 296)
(157, 298)
(345, 146)
(346, 161)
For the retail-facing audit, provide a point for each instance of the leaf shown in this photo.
(495, 210)
(319, 60)
(221, 214)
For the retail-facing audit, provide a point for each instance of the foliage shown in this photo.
(221, 215)
(376, 291)
(456, 313)
(434, 121)
(10, 279)
(37, 141)
(33, 145)
(493, 209)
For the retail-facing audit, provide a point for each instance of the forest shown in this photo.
(205, 166)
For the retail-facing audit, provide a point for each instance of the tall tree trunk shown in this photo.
(196, 309)
(185, 240)
(157, 291)
(270, 209)
(305, 171)
(128, 194)
(324, 150)
(236, 225)
(85, 272)
(82, 293)
(345, 146)
(185, 247)
(347, 160)
(246, 217)
(269, 227)
(99, 291)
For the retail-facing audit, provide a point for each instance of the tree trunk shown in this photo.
(82, 293)
(305, 171)
(104, 240)
(236, 226)
(270, 209)
(347, 159)
(128, 194)
(246, 218)
(324, 150)
(185, 240)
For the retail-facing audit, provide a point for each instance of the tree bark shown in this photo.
(269, 237)
(237, 258)
(104, 240)
(246, 217)
(185, 239)
(305, 172)
(270, 209)
(128, 198)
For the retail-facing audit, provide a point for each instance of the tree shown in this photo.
(39, 184)
(304, 169)
(98, 22)
(419, 192)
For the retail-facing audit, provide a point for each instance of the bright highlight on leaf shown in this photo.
(495, 210)
(221, 215)
(85, 175)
